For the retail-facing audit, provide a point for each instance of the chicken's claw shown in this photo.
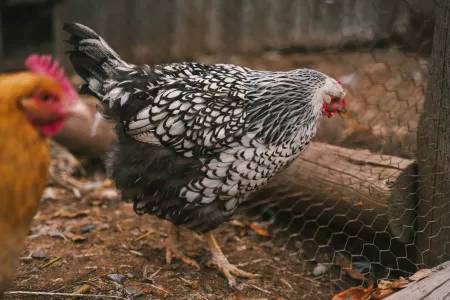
(173, 251)
(176, 253)
(220, 261)
(228, 270)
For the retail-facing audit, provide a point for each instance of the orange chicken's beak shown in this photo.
(38, 115)
(44, 116)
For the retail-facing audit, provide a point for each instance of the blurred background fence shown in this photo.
(163, 30)
(366, 192)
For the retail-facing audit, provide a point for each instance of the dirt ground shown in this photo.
(97, 240)
(94, 241)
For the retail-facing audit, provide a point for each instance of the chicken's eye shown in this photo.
(45, 97)
(335, 99)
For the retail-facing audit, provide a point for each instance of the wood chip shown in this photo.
(136, 253)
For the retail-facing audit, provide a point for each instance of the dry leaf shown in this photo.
(78, 239)
(398, 283)
(98, 202)
(84, 289)
(384, 284)
(421, 274)
(379, 294)
(70, 215)
(345, 264)
(108, 183)
(58, 212)
(355, 293)
(236, 223)
(257, 229)
(238, 295)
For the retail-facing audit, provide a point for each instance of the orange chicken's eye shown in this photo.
(45, 97)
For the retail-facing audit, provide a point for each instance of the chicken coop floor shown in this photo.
(93, 245)
(103, 245)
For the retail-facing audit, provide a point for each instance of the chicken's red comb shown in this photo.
(43, 64)
(340, 83)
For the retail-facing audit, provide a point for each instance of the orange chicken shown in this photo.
(34, 105)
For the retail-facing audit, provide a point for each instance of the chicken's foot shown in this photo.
(172, 248)
(220, 261)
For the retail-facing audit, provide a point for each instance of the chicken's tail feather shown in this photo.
(92, 58)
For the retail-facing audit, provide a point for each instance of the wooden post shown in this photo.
(2, 53)
(433, 211)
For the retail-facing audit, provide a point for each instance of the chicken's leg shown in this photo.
(172, 248)
(221, 262)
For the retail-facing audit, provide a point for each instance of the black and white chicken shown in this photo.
(195, 140)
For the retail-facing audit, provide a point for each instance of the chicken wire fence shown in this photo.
(351, 202)
(354, 203)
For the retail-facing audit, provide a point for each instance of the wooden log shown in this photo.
(433, 230)
(368, 189)
(435, 287)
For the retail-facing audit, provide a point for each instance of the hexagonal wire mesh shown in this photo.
(354, 207)
(350, 202)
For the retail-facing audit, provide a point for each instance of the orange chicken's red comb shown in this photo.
(43, 64)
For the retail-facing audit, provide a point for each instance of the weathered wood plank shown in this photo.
(434, 287)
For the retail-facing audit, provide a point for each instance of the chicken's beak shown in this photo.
(34, 112)
(343, 113)
(343, 110)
